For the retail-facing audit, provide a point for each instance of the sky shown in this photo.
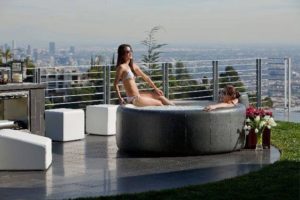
(111, 22)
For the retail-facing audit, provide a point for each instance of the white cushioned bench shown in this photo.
(24, 151)
(101, 119)
(64, 124)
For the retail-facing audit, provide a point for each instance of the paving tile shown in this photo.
(93, 167)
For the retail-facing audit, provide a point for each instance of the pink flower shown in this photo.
(259, 119)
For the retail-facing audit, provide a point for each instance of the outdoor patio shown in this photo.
(94, 167)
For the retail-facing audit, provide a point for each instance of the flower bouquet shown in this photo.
(257, 127)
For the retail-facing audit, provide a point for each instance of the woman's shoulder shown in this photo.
(135, 65)
(122, 66)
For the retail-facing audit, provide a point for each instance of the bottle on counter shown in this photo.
(17, 78)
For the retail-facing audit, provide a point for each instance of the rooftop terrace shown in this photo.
(93, 167)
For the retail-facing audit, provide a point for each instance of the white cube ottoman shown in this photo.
(24, 151)
(64, 124)
(101, 119)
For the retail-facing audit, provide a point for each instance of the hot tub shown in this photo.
(184, 129)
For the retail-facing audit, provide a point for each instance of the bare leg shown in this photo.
(146, 101)
(153, 95)
(165, 100)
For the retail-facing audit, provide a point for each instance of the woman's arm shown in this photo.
(147, 79)
(235, 101)
(116, 83)
(219, 105)
(222, 105)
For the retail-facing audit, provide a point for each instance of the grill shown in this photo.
(22, 106)
(14, 110)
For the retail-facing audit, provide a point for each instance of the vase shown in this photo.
(259, 145)
(251, 140)
(266, 141)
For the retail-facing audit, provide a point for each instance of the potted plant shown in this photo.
(257, 128)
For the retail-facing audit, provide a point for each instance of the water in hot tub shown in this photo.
(175, 107)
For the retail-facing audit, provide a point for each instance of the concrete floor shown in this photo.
(94, 167)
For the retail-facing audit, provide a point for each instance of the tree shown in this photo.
(152, 46)
(152, 55)
(113, 60)
(30, 67)
(184, 84)
(231, 77)
(81, 96)
(7, 55)
(99, 60)
(267, 102)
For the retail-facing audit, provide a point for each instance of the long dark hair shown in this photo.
(231, 91)
(121, 53)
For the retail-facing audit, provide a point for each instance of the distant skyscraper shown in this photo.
(14, 49)
(28, 51)
(72, 50)
(13, 45)
(35, 55)
(52, 48)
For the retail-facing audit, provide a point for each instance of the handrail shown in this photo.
(59, 81)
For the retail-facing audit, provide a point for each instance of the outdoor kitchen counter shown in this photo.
(35, 103)
(21, 86)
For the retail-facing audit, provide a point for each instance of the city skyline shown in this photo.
(184, 22)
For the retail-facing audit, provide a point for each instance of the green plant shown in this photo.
(153, 53)
(258, 120)
(7, 54)
(231, 76)
(152, 56)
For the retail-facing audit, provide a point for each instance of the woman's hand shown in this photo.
(122, 101)
(147, 79)
(158, 91)
(210, 107)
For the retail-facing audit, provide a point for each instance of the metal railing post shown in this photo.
(289, 83)
(37, 75)
(285, 82)
(34, 74)
(216, 80)
(104, 84)
(165, 69)
(108, 85)
(258, 83)
(35, 79)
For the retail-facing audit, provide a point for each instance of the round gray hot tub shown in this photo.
(182, 129)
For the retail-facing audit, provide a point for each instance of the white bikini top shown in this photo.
(129, 75)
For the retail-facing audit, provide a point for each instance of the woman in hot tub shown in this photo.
(126, 73)
(229, 98)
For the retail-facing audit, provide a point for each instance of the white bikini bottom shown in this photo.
(130, 99)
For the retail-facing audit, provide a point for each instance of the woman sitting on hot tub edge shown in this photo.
(127, 70)
(229, 98)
